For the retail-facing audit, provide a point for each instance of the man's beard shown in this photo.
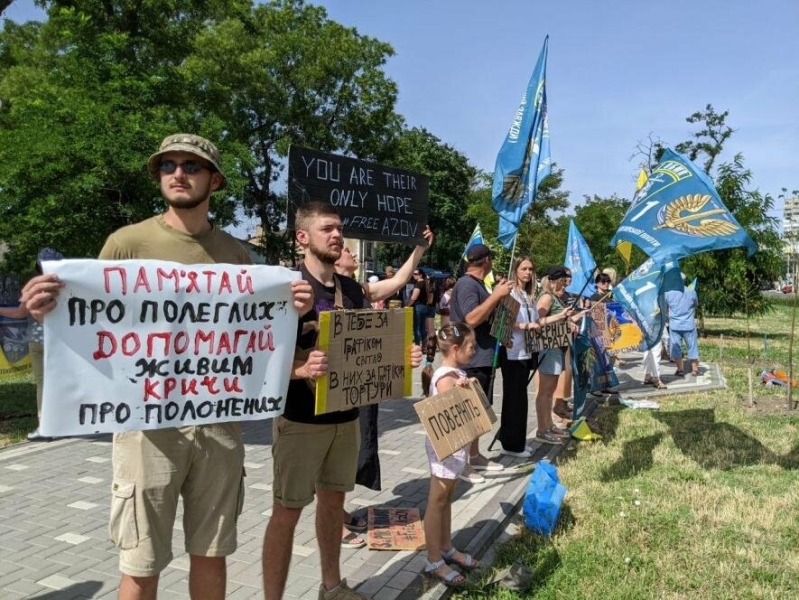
(198, 195)
(328, 257)
(187, 204)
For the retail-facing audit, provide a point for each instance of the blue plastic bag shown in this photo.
(543, 499)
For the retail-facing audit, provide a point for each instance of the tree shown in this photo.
(708, 141)
(728, 276)
(597, 221)
(88, 94)
(539, 237)
(288, 75)
(451, 178)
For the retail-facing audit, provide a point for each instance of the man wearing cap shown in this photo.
(204, 463)
(472, 303)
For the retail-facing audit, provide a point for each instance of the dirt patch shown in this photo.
(771, 405)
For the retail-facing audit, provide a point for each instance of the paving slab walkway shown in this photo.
(54, 504)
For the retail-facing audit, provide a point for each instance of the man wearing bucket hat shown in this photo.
(204, 463)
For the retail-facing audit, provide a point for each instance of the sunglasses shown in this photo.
(190, 167)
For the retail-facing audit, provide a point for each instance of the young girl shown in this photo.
(456, 341)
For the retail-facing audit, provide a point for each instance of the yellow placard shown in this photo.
(368, 353)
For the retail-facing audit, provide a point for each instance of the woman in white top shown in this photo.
(519, 363)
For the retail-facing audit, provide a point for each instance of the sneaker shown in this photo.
(481, 463)
(341, 592)
(35, 436)
(469, 475)
(547, 437)
(523, 454)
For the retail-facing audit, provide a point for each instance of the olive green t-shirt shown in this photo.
(154, 239)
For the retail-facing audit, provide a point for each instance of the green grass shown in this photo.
(698, 499)
(17, 409)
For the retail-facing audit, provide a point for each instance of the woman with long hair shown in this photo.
(519, 363)
(551, 360)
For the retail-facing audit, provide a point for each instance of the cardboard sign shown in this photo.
(553, 335)
(368, 356)
(146, 344)
(375, 202)
(395, 529)
(504, 317)
(455, 418)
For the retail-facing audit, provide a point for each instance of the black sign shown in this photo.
(375, 202)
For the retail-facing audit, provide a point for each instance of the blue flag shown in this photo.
(642, 296)
(591, 366)
(678, 213)
(523, 161)
(581, 263)
(477, 238)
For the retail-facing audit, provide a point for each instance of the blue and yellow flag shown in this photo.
(678, 213)
(641, 295)
(477, 238)
(581, 263)
(524, 159)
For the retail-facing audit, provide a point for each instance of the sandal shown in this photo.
(355, 523)
(560, 409)
(679, 373)
(545, 437)
(451, 578)
(469, 563)
(648, 380)
(659, 385)
(352, 541)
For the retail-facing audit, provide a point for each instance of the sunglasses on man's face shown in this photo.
(190, 167)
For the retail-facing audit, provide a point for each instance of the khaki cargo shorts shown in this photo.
(307, 456)
(204, 464)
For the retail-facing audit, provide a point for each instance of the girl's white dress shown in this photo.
(452, 465)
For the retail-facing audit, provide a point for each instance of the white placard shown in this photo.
(146, 344)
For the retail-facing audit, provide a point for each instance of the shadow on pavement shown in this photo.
(86, 589)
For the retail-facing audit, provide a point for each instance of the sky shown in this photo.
(617, 72)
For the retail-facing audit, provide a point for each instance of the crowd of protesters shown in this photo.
(319, 458)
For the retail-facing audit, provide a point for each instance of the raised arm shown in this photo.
(480, 313)
(388, 287)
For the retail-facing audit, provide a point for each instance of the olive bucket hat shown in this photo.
(186, 142)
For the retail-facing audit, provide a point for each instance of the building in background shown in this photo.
(790, 236)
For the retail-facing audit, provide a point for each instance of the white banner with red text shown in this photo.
(146, 344)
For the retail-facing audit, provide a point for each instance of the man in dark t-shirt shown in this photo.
(314, 455)
(473, 304)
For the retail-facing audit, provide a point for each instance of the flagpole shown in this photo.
(512, 254)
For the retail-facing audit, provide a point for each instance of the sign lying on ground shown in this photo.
(552, 335)
(455, 418)
(375, 202)
(395, 529)
(368, 357)
(151, 344)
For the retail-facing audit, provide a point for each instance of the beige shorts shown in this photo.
(204, 464)
(307, 456)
